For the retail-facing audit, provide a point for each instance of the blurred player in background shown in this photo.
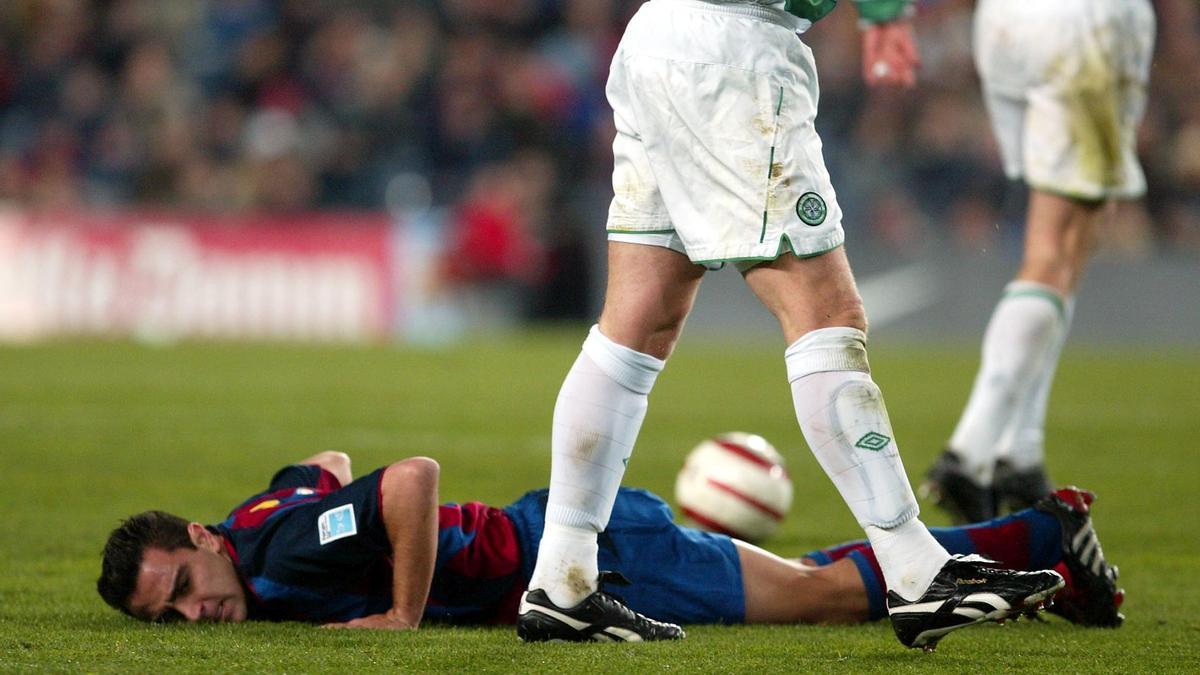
(1065, 85)
(716, 161)
(380, 552)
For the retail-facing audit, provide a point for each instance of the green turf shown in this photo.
(92, 432)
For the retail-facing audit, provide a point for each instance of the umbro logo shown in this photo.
(872, 441)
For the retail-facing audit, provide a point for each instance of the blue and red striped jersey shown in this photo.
(309, 549)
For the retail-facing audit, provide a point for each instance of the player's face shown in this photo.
(190, 585)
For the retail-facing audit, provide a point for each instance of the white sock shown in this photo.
(566, 564)
(1024, 444)
(1022, 332)
(909, 557)
(597, 417)
(845, 422)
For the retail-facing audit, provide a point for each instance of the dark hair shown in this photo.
(127, 543)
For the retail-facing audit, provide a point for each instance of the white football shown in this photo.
(735, 483)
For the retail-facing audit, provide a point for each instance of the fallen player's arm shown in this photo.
(409, 501)
(336, 463)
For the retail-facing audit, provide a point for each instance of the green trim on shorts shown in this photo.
(805, 255)
(765, 258)
(762, 235)
(1054, 299)
(667, 231)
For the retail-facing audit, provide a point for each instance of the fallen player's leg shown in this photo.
(1056, 534)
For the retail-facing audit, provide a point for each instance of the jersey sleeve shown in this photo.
(809, 10)
(871, 11)
(882, 11)
(304, 476)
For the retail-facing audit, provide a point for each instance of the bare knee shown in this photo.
(655, 336)
(649, 294)
(1059, 270)
(662, 340)
(841, 312)
(848, 312)
(1059, 239)
(648, 327)
(809, 294)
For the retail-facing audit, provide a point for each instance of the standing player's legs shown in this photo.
(1005, 415)
(842, 415)
(841, 411)
(1098, 106)
(600, 409)
(1059, 240)
(1065, 93)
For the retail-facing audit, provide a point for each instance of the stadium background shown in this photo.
(477, 131)
(424, 185)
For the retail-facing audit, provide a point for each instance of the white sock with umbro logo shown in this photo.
(844, 420)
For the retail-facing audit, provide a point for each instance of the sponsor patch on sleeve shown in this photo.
(336, 523)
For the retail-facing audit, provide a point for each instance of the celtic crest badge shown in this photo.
(811, 208)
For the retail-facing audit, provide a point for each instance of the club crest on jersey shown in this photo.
(811, 208)
(336, 523)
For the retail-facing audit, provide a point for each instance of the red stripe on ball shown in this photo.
(749, 455)
(765, 508)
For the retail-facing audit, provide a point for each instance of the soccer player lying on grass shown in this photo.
(379, 552)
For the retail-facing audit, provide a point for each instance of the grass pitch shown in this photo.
(92, 432)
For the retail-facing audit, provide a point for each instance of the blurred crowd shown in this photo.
(497, 107)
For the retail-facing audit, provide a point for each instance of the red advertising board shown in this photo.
(171, 276)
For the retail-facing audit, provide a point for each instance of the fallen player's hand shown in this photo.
(385, 621)
(890, 54)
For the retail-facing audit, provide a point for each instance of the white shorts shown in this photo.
(1065, 85)
(716, 154)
